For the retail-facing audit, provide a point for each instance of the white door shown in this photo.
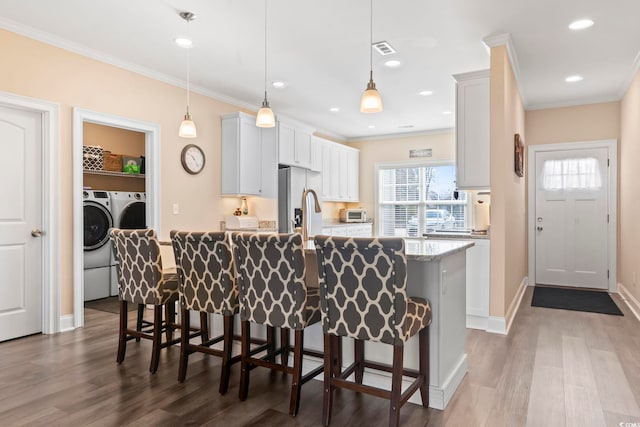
(571, 218)
(20, 222)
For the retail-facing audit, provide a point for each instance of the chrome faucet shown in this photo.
(305, 226)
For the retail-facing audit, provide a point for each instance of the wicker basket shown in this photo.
(92, 157)
(112, 162)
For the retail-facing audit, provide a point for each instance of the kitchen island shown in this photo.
(436, 270)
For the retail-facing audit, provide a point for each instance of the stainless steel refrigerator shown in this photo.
(292, 182)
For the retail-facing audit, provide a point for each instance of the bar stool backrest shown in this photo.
(271, 271)
(205, 267)
(363, 287)
(139, 265)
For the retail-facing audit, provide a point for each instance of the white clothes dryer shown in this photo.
(129, 212)
(97, 220)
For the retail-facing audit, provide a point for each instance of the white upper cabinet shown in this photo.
(294, 144)
(249, 157)
(472, 130)
(340, 171)
(316, 154)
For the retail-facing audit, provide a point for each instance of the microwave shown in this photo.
(353, 215)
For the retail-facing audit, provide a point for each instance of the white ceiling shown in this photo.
(320, 50)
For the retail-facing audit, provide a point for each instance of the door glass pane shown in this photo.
(571, 174)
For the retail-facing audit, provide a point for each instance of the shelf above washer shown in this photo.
(110, 173)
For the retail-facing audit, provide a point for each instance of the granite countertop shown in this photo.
(456, 235)
(423, 249)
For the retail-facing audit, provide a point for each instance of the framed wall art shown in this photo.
(518, 150)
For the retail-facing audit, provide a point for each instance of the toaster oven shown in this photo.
(353, 215)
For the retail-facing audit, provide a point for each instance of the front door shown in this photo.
(572, 190)
(20, 223)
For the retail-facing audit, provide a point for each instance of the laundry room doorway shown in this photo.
(116, 181)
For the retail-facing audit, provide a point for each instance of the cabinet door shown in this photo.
(343, 173)
(478, 260)
(353, 171)
(472, 133)
(269, 163)
(335, 173)
(316, 154)
(302, 141)
(286, 144)
(250, 171)
(326, 171)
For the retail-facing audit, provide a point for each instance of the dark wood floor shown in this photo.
(556, 368)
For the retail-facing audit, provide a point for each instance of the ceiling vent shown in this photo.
(384, 48)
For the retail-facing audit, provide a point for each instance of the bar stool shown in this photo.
(363, 296)
(273, 292)
(142, 281)
(207, 285)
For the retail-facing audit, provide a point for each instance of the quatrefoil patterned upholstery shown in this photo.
(270, 275)
(140, 268)
(205, 267)
(363, 290)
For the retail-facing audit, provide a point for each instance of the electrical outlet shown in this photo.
(176, 209)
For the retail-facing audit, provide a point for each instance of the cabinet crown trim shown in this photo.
(471, 75)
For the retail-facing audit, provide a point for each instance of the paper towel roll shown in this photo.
(481, 219)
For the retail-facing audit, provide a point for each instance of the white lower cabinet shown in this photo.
(350, 230)
(478, 258)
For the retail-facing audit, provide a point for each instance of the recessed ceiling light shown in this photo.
(392, 63)
(278, 84)
(371, 126)
(446, 113)
(334, 109)
(183, 42)
(574, 79)
(426, 93)
(581, 24)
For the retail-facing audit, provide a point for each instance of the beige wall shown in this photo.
(508, 208)
(629, 244)
(573, 124)
(397, 150)
(34, 69)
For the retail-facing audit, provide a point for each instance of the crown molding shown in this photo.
(400, 135)
(506, 41)
(85, 51)
(471, 75)
(572, 103)
(634, 70)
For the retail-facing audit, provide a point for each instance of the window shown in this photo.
(571, 174)
(417, 199)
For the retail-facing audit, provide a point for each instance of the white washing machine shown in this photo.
(97, 247)
(128, 210)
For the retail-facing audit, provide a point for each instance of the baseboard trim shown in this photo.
(439, 397)
(477, 322)
(501, 325)
(629, 299)
(66, 323)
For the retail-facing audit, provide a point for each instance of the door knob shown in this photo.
(36, 232)
(539, 228)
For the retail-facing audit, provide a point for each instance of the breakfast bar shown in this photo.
(436, 270)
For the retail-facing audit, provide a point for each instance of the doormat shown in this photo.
(574, 299)
(109, 304)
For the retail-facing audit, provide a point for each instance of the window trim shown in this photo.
(413, 164)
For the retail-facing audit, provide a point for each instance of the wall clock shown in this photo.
(192, 158)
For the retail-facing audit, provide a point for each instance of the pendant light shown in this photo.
(187, 127)
(265, 118)
(371, 101)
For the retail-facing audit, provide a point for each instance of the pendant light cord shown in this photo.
(265, 50)
(188, 64)
(371, 39)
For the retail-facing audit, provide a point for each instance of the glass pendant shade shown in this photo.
(371, 101)
(265, 118)
(187, 127)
